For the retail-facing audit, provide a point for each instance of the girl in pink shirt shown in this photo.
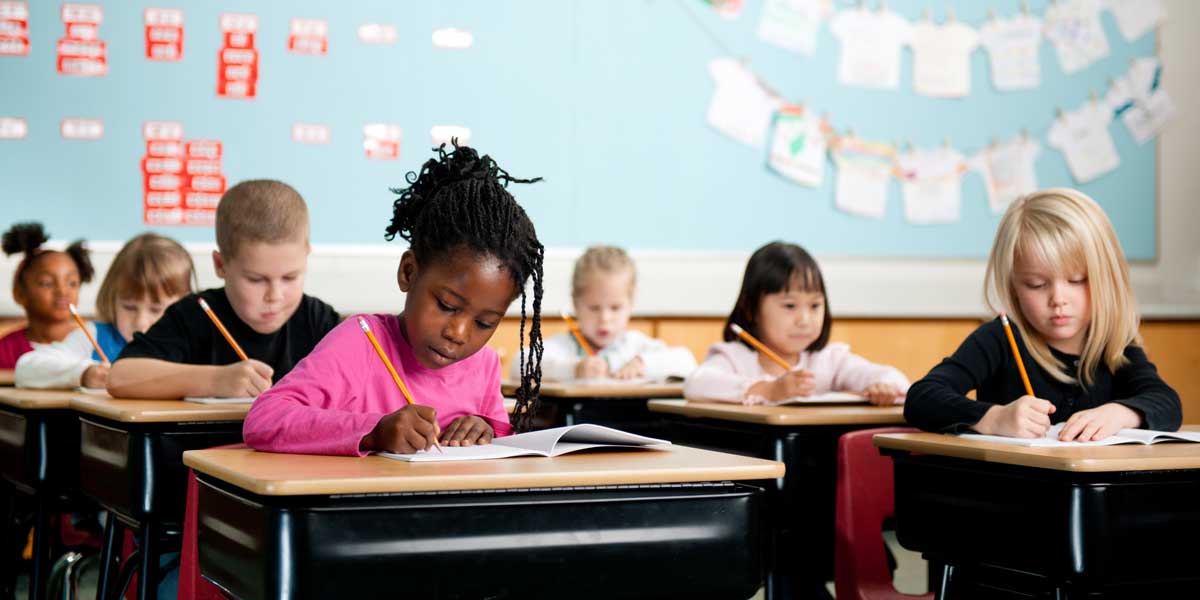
(472, 248)
(784, 305)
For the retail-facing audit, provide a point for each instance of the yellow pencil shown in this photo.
(574, 327)
(91, 339)
(387, 363)
(1012, 341)
(221, 328)
(745, 335)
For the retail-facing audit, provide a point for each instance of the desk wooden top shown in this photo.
(156, 411)
(7, 376)
(567, 389)
(28, 399)
(1093, 459)
(785, 416)
(269, 474)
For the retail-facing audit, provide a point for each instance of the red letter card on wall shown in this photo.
(237, 60)
(81, 52)
(164, 34)
(308, 36)
(12, 128)
(182, 179)
(82, 129)
(381, 141)
(14, 29)
(310, 133)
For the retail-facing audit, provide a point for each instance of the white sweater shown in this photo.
(561, 354)
(57, 365)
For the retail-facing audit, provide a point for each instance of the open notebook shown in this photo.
(826, 398)
(1124, 436)
(218, 400)
(547, 442)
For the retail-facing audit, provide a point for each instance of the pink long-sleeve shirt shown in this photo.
(730, 368)
(337, 394)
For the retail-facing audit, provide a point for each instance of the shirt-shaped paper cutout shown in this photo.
(798, 146)
(1140, 101)
(871, 42)
(793, 24)
(942, 58)
(740, 107)
(863, 170)
(1082, 136)
(1012, 45)
(1073, 26)
(1008, 170)
(1136, 18)
(932, 185)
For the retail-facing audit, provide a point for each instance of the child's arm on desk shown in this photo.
(154, 378)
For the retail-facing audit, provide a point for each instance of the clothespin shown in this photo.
(992, 144)
(1092, 96)
(1025, 7)
(925, 14)
(883, 6)
(991, 14)
(946, 142)
(1025, 134)
(950, 16)
(1058, 113)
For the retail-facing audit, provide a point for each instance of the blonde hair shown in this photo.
(149, 265)
(260, 210)
(601, 259)
(1068, 231)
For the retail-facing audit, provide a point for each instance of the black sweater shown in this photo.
(984, 363)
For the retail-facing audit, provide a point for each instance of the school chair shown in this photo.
(191, 585)
(865, 498)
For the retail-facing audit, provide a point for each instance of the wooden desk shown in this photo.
(39, 458)
(616, 405)
(7, 377)
(131, 462)
(803, 502)
(623, 524)
(1097, 522)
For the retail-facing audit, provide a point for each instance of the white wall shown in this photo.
(362, 278)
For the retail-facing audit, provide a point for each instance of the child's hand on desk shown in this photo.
(632, 369)
(405, 431)
(883, 394)
(1025, 417)
(245, 379)
(96, 376)
(1095, 424)
(788, 385)
(592, 367)
(467, 430)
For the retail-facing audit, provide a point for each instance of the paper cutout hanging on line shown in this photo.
(14, 29)
(381, 141)
(870, 47)
(1082, 136)
(863, 171)
(13, 128)
(1012, 46)
(450, 37)
(377, 33)
(727, 9)
(1136, 18)
(1140, 101)
(1073, 27)
(740, 107)
(793, 24)
(443, 134)
(942, 58)
(931, 182)
(308, 36)
(80, 52)
(310, 133)
(1008, 170)
(81, 129)
(798, 146)
(164, 34)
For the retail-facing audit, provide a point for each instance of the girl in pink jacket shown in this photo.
(472, 250)
(784, 305)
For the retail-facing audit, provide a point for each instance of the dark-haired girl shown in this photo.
(472, 249)
(45, 284)
(783, 303)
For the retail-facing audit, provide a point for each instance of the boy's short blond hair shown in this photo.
(148, 266)
(260, 210)
(601, 259)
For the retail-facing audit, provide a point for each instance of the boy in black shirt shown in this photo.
(262, 254)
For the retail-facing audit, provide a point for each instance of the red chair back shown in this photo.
(865, 498)
(191, 585)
